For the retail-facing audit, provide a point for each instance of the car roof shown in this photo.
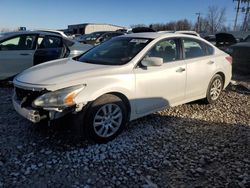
(154, 35)
(51, 31)
(11, 34)
(150, 35)
(188, 32)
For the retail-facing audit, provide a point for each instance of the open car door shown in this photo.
(48, 48)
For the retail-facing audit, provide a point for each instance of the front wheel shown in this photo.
(214, 89)
(105, 118)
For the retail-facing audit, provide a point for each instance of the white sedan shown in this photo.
(121, 80)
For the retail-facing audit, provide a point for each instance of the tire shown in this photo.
(105, 118)
(214, 89)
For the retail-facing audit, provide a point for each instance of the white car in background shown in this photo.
(123, 79)
(53, 31)
(194, 33)
(21, 50)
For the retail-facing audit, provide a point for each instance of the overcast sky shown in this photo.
(53, 14)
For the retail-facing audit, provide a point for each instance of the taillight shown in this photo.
(229, 59)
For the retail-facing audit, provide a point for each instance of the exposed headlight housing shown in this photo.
(61, 98)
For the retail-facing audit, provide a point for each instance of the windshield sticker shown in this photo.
(138, 41)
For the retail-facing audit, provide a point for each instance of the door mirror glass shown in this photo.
(152, 61)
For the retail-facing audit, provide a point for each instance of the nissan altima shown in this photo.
(121, 80)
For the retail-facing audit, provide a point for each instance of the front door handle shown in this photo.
(210, 62)
(180, 69)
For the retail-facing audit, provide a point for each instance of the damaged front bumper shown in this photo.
(36, 115)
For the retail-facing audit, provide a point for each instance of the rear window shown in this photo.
(68, 42)
(194, 48)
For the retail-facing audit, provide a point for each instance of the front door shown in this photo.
(160, 86)
(16, 55)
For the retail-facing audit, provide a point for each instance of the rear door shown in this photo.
(16, 54)
(48, 48)
(201, 66)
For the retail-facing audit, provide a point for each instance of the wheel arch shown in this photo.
(223, 77)
(124, 99)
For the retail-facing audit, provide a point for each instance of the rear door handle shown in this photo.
(210, 62)
(24, 54)
(180, 69)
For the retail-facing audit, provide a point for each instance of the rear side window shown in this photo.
(68, 42)
(49, 42)
(194, 48)
(22, 42)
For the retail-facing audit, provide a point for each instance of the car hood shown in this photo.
(59, 72)
(241, 44)
(79, 48)
(225, 39)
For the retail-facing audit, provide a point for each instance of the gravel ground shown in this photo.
(192, 145)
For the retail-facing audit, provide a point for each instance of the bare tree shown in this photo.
(183, 25)
(203, 25)
(178, 25)
(216, 18)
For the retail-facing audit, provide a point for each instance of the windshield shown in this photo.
(117, 51)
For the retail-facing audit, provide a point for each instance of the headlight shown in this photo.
(59, 99)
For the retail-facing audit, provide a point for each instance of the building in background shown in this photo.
(87, 28)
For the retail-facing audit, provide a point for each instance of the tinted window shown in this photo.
(94, 36)
(109, 36)
(117, 51)
(68, 42)
(49, 42)
(116, 34)
(166, 49)
(247, 39)
(194, 48)
(22, 42)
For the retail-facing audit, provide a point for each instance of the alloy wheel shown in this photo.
(216, 89)
(107, 120)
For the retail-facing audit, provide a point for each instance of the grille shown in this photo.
(26, 97)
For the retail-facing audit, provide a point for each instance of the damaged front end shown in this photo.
(39, 104)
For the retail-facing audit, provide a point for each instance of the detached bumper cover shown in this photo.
(29, 113)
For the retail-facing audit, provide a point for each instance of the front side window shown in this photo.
(22, 42)
(117, 51)
(165, 49)
(194, 48)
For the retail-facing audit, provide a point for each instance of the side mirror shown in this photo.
(152, 61)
